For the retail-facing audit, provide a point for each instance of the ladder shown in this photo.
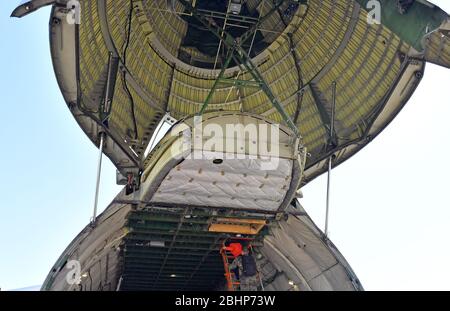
(226, 256)
(232, 285)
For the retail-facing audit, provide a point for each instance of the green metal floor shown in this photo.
(172, 249)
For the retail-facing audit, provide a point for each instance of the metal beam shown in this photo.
(324, 114)
(187, 248)
(172, 263)
(144, 237)
(175, 235)
(164, 219)
(181, 253)
(177, 267)
(253, 70)
(184, 233)
(113, 67)
(180, 268)
(99, 171)
(243, 58)
(300, 83)
(239, 82)
(136, 258)
(216, 83)
(153, 270)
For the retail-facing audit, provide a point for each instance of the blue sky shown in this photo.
(49, 165)
(390, 209)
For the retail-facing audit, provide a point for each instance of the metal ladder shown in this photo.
(226, 256)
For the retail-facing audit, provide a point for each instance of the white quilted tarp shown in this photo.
(235, 183)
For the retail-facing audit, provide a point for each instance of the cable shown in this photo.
(301, 84)
(124, 80)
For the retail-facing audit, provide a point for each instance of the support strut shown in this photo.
(99, 172)
(330, 160)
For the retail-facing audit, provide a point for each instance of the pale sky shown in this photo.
(390, 207)
(390, 210)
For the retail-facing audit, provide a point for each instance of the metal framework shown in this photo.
(240, 56)
(172, 249)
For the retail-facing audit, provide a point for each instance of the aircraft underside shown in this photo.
(260, 97)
